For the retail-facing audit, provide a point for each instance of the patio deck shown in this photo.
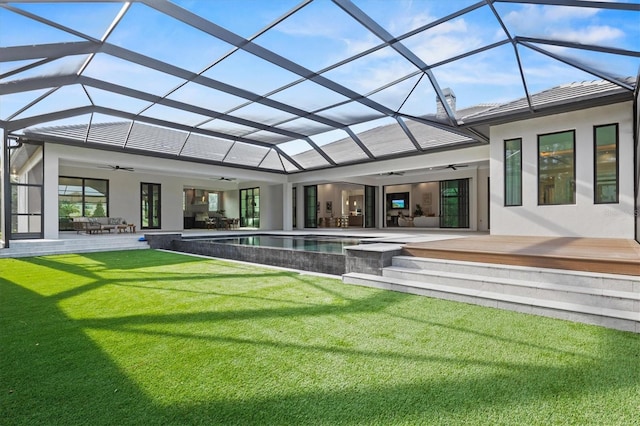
(606, 255)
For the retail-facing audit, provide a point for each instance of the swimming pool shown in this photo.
(317, 253)
(314, 243)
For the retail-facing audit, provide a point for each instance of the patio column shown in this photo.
(50, 206)
(287, 206)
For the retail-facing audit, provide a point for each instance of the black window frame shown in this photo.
(595, 164)
(575, 167)
(506, 204)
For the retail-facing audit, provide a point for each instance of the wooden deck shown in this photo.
(608, 255)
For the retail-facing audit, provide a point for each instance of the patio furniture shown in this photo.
(426, 221)
(91, 225)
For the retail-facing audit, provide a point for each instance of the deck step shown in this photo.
(612, 318)
(584, 295)
(29, 248)
(596, 280)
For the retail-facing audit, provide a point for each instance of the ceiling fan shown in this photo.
(452, 166)
(392, 174)
(227, 179)
(108, 166)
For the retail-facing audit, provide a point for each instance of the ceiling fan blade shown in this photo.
(109, 166)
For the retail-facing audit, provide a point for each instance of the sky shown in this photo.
(317, 36)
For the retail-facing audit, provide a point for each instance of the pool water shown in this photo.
(313, 243)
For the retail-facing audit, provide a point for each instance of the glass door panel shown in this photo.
(311, 206)
(454, 203)
(150, 206)
(26, 183)
(250, 207)
(369, 206)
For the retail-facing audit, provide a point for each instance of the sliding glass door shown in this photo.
(250, 207)
(454, 203)
(369, 206)
(150, 205)
(311, 206)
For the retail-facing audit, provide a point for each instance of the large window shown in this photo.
(81, 197)
(513, 172)
(213, 200)
(606, 163)
(556, 168)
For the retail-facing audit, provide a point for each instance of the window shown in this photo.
(513, 172)
(213, 201)
(556, 168)
(606, 163)
(81, 197)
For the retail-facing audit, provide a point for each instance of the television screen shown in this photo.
(397, 204)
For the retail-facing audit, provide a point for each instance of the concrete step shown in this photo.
(594, 280)
(591, 296)
(612, 318)
(46, 247)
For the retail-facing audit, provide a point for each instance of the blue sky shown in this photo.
(317, 36)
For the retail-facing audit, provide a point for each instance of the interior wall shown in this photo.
(399, 188)
(426, 194)
(584, 218)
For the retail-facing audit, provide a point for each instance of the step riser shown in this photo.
(8, 253)
(587, 318)
(610, 302)
(596, 281)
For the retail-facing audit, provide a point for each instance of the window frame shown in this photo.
(573, 133)
(595, 163)
(506, 204)
(83, 202)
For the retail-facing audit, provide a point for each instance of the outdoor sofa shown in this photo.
(99, 224)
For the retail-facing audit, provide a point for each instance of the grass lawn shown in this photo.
(155, 338)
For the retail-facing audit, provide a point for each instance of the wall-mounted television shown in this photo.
(398, 203)
(398, 200)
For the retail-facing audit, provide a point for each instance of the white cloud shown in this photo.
(590, 35)
(536, 19)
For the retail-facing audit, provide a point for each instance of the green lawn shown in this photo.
(149, 337)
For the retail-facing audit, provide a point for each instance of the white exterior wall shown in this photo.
(271, 204)
(271, 207)
(124, 187)
(584, 218)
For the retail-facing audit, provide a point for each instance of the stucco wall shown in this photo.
(584, 218)
(124, 187)
(271, 206)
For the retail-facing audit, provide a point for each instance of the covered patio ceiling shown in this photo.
(287, 86)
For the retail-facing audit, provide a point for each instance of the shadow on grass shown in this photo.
(53, 373)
